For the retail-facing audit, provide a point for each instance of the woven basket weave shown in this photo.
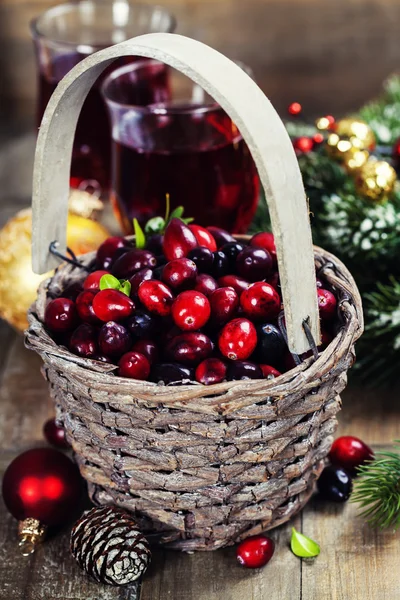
(201, 467)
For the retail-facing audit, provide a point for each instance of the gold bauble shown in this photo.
(18, 283)
(376, 180)
(349, 135)
(354, 159)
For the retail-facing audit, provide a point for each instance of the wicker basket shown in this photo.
(200, 467)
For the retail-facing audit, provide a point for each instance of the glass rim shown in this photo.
(64, 7)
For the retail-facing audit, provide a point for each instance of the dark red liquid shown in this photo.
(215, 179)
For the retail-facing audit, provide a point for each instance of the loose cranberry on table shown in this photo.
(271, 345)
(254, 264)
(92, 281)
(114, 339)
(205, 284)
(327, 304)
(108, 250)
(171, 373)
(83, 341)
(255, 551)
(156, 297)
(203, 258)
(260, 301)
(335, 484)
(180, 274)
(220, 236)
(265, 240)
(134, 365)
(190, 310)
(223, 302)
(350, 452)
(241, 369)
(112, 305)
(60, 315)
(84, 307)
(238, 339)
(178, 240)
(204, 237)
(189, 348)
(133, 261)
(211, 371)
(55, 434)
(234, 281)
(269, 372)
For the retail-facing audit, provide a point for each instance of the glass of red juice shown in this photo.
(185, 146)
(64, 35)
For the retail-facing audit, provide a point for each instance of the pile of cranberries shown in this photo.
(193, 305)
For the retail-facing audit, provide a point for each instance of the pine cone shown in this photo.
(108, 546)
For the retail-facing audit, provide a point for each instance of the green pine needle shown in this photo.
(377, 490)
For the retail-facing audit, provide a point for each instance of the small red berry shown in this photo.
(189, 348)
(134, 365)
(114, 339)
(83, 341)
(143, 275)
(131, 262)
(112, 305)
(148, 348)
(205, 284)
(84, 306)
(350, 452)
(260, 301)
(223, 302)
(191, 310)
(254, 264)
(109, 249)
(156, 297)
(255, 551)
(237, 283)
(269, 372)
(265, 240)
(180, 274)
(178, 240)
(210, 371)
(238, 339)
(204, 237)
(92, 281)
(221, 236)
(60, 315)
(55, 434)
(327, 304)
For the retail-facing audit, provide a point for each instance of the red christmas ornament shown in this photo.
(318, 138)
(255, 551)
(55, 434)
(295, 108)
(396, 153)
(303, 144)
(350, 452)
(41, 487)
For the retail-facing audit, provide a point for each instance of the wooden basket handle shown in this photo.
(257, 121)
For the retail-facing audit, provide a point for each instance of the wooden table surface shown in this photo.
(356, 563)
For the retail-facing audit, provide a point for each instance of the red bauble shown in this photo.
(55, 434)
(42, 484)
(396, 153)
(303, 144)
(255, 551)
(294, 108)
(350, 452)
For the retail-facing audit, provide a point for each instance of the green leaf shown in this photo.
(125, 287)
(177, 213)
(188, 220)
(154, 225)
(109, 282)
(140, 237)
(302, 546)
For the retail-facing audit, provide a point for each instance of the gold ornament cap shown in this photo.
(30, 533)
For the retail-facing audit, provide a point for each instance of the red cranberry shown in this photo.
(131, 262)
(109, 249)
(241, 369)
(178, 240)
(327, 304)
(171, 373)
(92, 281)
(180, 274)
(350, 452)
(269, 372)
(189, 348)
(271, 344)
(84, 306)
(154, 243)
(205, 284)
(220, 266)
(60, 315)
(260, 301)
(148, 348)
(136, 279)
(255, 551)
(335, 484)
(134, 365)
(238, 339)
(220, 236)
(190, 310)
(203, 259)
(112, 305)
(156, 297)
(232, 251)
(237, 283)
(210, 371)
(265, 240)
(83, 341)
(157, 272)
(142, 325)
(223, 302)
(114, 339)
(55, 434)
(274, 280)
(254, 264)
(204, 237)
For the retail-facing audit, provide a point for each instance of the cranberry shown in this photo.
(156, 297)
(327, 304)
(178, 240)
(269, 372)
(131, 262)
(241, 369)
(112, 305)
(274, 280)
(254, 264)
(237, 283)
(255, 551)
(220, 266)
(114, 339)
(92, 281)
(108, 250)
(190, 310)
(148, 348)
(265, 240)
(335, 484)
(189, 348)
(238, 339)
(102, 358)
(60, 315)
(143, 275)
(154, 243)
(223, 302)
(204, 237)
(134, 365)
(232, 251)
(205, 284)
(72, 291)
(271, 344)
(260, 301)
(210, 371)
(203, 259)
(171, 373)
(180, 274)
(220, 236)
(83, 341)
(142, 325)
(350, 452)
(55, 434)
(157, 272)
(84, 307)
